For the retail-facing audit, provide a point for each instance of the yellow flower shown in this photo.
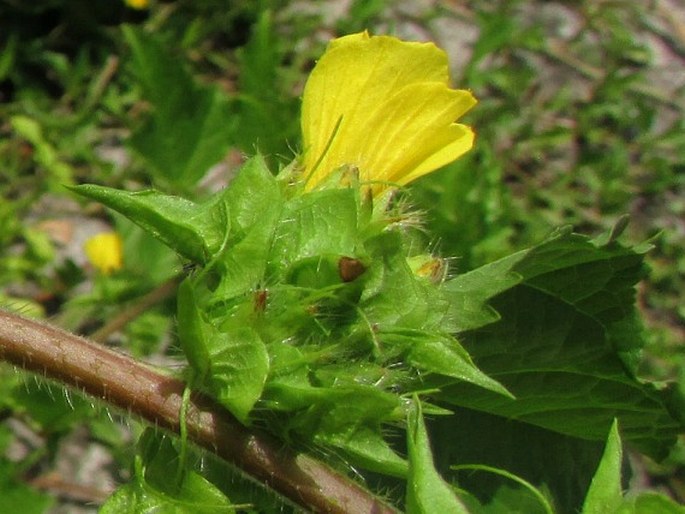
(137, 4)
(384, 107)
(104, 251)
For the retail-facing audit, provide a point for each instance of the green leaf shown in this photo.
(565, 344)
(507, 500)
(339, 411)
(605, 493)
(254, 203)
(252, 195)
(394, 296)
(471, 293)
(199, 496)
(192, 329)
(441, 354)
(448, 358)
(156, 488)
(289, 386)
(366, 447)
(650, 503)
(239, 365)
(427, 492)
(319, 223)
(267, 111)
(145, 256)
(284, 393)
(194, 230)
(540, 457)
(598, 280)
(525, 491)
(190, 127)
(564, 375)
(350, 418)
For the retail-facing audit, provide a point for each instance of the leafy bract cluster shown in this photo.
(314, 314)
(305, 312)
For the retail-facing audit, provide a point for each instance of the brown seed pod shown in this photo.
(350, 268)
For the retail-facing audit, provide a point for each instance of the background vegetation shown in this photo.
(580, 122)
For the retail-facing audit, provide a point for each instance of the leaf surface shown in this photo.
(190, 127)
(566, 343)
(427, 492)
(254, 204)
(195, 230)
(605, 493)
(157, 488)
(239, 365)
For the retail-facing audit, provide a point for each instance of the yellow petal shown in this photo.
(383, 106)
(104, 251)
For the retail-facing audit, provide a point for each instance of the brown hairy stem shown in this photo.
(130, 385)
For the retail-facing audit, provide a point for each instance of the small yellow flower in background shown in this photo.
(104, 251)
(384, 107)
(137, 4)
